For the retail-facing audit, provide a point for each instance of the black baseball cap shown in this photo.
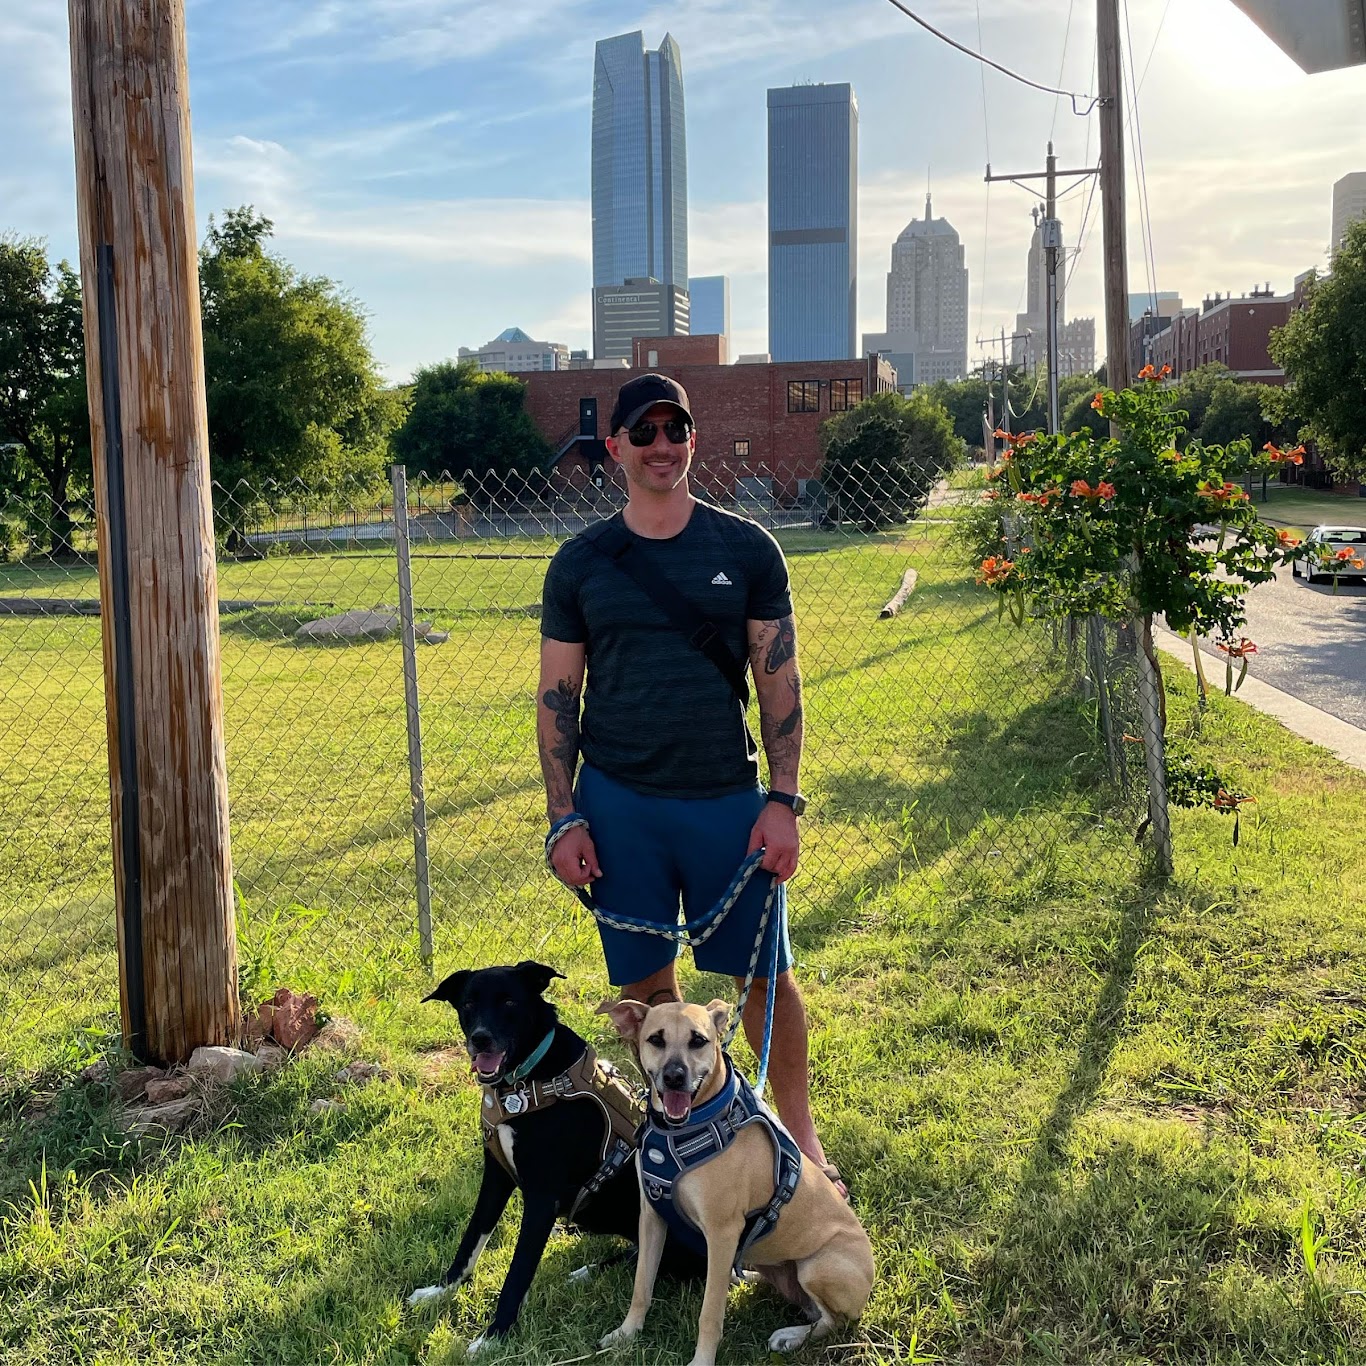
(637, 396)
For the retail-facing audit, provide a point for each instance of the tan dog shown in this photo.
(817, 1254)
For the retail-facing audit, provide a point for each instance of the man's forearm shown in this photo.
(778, 684)
(557, 738)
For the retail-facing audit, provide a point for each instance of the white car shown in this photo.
(1323, 545)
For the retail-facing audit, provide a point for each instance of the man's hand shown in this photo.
(776, 833)
(574, 858)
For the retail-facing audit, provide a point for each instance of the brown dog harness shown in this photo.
(590, 1078)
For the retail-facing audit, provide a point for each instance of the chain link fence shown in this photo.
(946, 748)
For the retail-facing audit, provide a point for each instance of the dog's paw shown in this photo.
(478, 1345)
(789, 1339)
(617, 1337)
(427, 1294)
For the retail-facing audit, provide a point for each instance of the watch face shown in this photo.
(798, 805)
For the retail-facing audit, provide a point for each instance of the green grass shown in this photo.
(1301, 509)
(1087, 1119)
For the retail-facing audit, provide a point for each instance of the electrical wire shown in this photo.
(1090, 100)
(1062, 65)
(1161, 23)
(1150, 255)
(986, 210)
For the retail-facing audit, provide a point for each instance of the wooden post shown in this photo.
(1110, 87)
(158, 584)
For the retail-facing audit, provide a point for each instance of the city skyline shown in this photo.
(442, 178)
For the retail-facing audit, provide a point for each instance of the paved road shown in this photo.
(1310, 643)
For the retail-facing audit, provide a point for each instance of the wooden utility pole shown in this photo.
(1109, 75)
(158, 583)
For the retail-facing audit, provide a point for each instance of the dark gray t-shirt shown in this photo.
(657, 714)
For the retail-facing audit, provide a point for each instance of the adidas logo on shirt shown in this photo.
(722, 579)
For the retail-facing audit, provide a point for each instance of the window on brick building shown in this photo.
(741, 449)
(845, 394)
(804, 396)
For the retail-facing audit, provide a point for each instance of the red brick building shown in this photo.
(1231, 332)
(753, 421)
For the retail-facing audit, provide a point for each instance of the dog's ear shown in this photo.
(452, 989)
(536, 975)
(626, 1015)
(720, 1017)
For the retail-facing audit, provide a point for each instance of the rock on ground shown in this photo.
(222, 1064)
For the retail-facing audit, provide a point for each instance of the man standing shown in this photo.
(669, 783)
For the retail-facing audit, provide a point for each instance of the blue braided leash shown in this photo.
(693, 932)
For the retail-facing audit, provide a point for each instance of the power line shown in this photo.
(1062, 65)
(1090, 100)
(986, 211)
(1161, 23)
(1150, 255)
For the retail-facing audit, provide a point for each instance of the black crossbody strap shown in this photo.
(615, 542)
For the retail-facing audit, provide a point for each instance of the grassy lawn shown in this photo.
(1301, 509)
(1087, 1119)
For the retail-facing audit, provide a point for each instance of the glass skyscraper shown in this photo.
(812, 222)
(640, 164)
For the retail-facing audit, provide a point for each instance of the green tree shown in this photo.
(965, 401)
(1323, 351)
(44, 418)
(471, 425)
(884, 456)
(293, 390)
(1235, 413)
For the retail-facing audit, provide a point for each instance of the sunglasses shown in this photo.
(676, 429)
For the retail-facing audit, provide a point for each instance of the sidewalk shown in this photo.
(1342, 738)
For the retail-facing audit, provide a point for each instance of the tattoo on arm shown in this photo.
(560, 752)
(777, 643)
(782, 735)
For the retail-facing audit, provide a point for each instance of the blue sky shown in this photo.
(432, 156)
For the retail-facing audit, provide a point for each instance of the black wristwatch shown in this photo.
(793, 799)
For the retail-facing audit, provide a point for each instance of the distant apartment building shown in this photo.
(640, 167)
(1163, 304)
(927, 305)
(636, 308)
(1349, 204)
(515, 352)
(812, 222)
(1234, 332)
(709, 305)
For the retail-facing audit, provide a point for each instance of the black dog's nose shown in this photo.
(675, 1077)
(481, 1039)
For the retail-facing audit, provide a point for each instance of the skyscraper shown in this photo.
(1076, 339)
(709, 305)
(927, 304)
(640, 164)
(1349, 204)
(812, 222)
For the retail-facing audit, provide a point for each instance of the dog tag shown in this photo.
(514, 1104)
(654, 1154)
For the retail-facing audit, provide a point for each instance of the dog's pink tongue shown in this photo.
(488, 1063)
(676, 1104)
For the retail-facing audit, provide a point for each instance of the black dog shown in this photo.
(556, 1122)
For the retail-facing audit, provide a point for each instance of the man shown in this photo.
(670, 777)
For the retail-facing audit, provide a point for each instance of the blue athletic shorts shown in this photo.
(658, 851)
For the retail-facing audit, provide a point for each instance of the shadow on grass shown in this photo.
(990, 774)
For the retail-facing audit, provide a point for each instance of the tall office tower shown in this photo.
(709, 304)
(812, 222)
(640, 164)
(927, 304)
(1349, 204)
(1076, 339)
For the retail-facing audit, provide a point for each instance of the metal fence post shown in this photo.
(416, 782)
(1154, 741)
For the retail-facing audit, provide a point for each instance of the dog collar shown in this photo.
(523, 1068)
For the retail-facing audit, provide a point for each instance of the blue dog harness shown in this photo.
(666, 1154)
